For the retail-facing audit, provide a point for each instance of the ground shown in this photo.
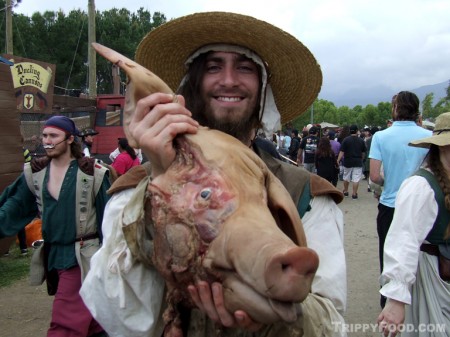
(25, 310)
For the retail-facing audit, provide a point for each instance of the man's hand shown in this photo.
(209, 299)
(391, 317)
(156, 123)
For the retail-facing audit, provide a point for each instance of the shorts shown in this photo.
(353, 174)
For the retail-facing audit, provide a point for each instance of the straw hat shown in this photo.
(441, 133)
(296, 77)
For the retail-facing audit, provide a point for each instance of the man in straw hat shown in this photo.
(390, 150)
(236, 74)
(416, 272)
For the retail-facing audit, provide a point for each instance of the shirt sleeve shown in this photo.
(113, 155)
(415, 213)
(330, 280)
(375, 152)
(123, 295)
(17, 207)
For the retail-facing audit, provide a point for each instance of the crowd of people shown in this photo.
(102, 288)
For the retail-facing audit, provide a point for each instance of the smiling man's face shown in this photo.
(230, 91)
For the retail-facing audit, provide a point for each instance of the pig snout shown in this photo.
(288, 275)
(271, 263)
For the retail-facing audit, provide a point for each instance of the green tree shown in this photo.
(427, 106)
(368, 115)
(384, 114)
(55, 37)
(344, 114)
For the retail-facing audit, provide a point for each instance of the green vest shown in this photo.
(90, 176)
(437, 233)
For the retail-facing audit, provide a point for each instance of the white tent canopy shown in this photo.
(328, 125)
(428, 124)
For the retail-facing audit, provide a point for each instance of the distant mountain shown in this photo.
(378, 94)
(437, 89)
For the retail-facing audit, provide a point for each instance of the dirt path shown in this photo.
(361, 246)
(25, 311)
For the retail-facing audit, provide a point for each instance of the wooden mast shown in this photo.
(91, 52)
(9, 32)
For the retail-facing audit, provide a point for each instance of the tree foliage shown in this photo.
(443, 105)
(62, 39)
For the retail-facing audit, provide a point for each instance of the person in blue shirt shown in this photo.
(390, 149)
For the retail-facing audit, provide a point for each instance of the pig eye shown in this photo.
(206, 194)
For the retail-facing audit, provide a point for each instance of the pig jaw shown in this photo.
(270, 285)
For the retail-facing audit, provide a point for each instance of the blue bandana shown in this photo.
(63, 123)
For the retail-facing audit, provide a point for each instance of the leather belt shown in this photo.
(87, 237)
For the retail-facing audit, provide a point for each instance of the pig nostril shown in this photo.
(284, 266)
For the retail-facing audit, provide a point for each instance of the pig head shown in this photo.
(218, 214)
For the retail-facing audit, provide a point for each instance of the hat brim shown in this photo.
(296, 77)
(439, 140)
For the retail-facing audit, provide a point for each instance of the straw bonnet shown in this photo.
(441, 133)
(296, 77)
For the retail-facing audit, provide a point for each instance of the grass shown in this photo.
(14, 267)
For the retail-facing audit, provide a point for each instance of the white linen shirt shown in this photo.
(415, 213)
(126, 298)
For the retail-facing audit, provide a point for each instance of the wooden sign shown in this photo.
(33, 83)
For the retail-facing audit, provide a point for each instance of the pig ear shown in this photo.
(284, 210)
(141, 82)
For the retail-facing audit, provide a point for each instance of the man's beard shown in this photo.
(241, 129)
(58, 151)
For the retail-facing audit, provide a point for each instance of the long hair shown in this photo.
(75, 149)
(191, 91)
(406, 106)
(345, 132)
(324, 149)
(123, 143)
(435, 165)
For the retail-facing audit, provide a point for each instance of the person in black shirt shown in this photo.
(353, 149)
(295, 145)
(326, 164)
(308, 146)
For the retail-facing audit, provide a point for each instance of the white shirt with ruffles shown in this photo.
(416, 210)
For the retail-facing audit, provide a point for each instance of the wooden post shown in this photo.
(9, 32)
(91, 52)
(116, 79)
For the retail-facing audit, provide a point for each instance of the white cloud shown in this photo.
(400, 44)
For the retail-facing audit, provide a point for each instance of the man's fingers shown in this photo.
(245, 322)
(207, 301)
(210, 300)
(195, 297)
(146, 104)
(226, 318)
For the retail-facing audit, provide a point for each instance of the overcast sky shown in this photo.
(360, 44)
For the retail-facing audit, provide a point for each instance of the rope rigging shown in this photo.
(75, 54)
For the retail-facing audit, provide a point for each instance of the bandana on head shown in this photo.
(269, 114)
(63, 123)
